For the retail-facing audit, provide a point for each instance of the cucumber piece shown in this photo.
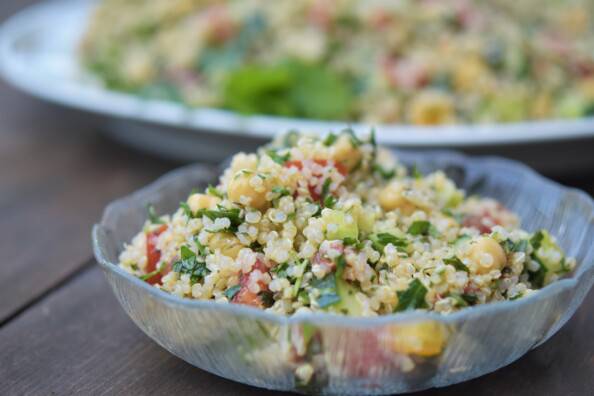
(340, 225)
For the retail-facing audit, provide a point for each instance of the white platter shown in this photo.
(38, 54)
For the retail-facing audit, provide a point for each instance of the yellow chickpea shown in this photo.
(487, 254)
(202, 201)
(343, 152)
(244, 161)
(468, 73)
(225, 242)
(248, 189)
(422, 339)
(391, 198)
(431, 108)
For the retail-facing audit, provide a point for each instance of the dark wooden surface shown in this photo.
(61, 329)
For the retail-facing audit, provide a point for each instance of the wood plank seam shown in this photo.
(87, 265)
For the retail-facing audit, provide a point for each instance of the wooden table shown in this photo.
(61, 329)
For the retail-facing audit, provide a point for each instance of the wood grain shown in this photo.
(56, 175)
(79, 341)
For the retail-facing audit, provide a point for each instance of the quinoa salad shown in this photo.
(336, 224)
(420, 62)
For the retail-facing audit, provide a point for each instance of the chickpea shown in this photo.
(422, 339)
(468, 73)
(487, 254)
(202, 201)
(431, 108)
(244, 161)
(391, 198)
(227, 243)
(343, 152)
(242, 185)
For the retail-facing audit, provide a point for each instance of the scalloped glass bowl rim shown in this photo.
(333, 319)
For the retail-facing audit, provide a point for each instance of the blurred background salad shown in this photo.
(424, 62)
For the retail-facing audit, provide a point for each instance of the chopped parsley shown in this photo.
(189, 264)
(232, 291)
(328, 290)
(420, 227)
(329, 201)
(513, 247)
(414, 171)
(463, 300)
(355, 141)
(211, 190)
(456, 263)
(381, 240)
(412, 298)
(152, 215)
(267, 298)
(536, 240)
(281, 191)
(330, 139)
(328, 285)
(537, 278)
(234, 216)
(299, 279)
(278, 158)
(148, 276)
(386, 174)
(280, 269)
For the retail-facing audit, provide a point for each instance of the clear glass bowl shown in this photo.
(359, 356)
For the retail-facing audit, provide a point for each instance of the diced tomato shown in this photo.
(381, 19)
(320, 15)
(244, 295)
(220, 25)
(321, 258)
(367, 356)
(312, 188)
(486, 219)
(153, 255)
(322, 162)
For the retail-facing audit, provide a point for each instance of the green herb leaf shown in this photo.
(513, 247)
(412, 298)
(328, 289)
(267, 298)
(211, 190)
(326, 187)
(304, 264)
(415, 172)
(537, 278)
(152, 215)
(456, 263)
(329, 201)
(290, 89)
(148, 276)
(536, 240)
(278, 158)
(280, 269)
(303, 297)
(232, 291)
(202, 250)
(458, 300)
(355, 141)
(381, 240)
(470, 299)
(281, 191)
(330, 139)
(386, 174)
(420, 227)
(189, 264)
(232, 214)
(186, 208)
